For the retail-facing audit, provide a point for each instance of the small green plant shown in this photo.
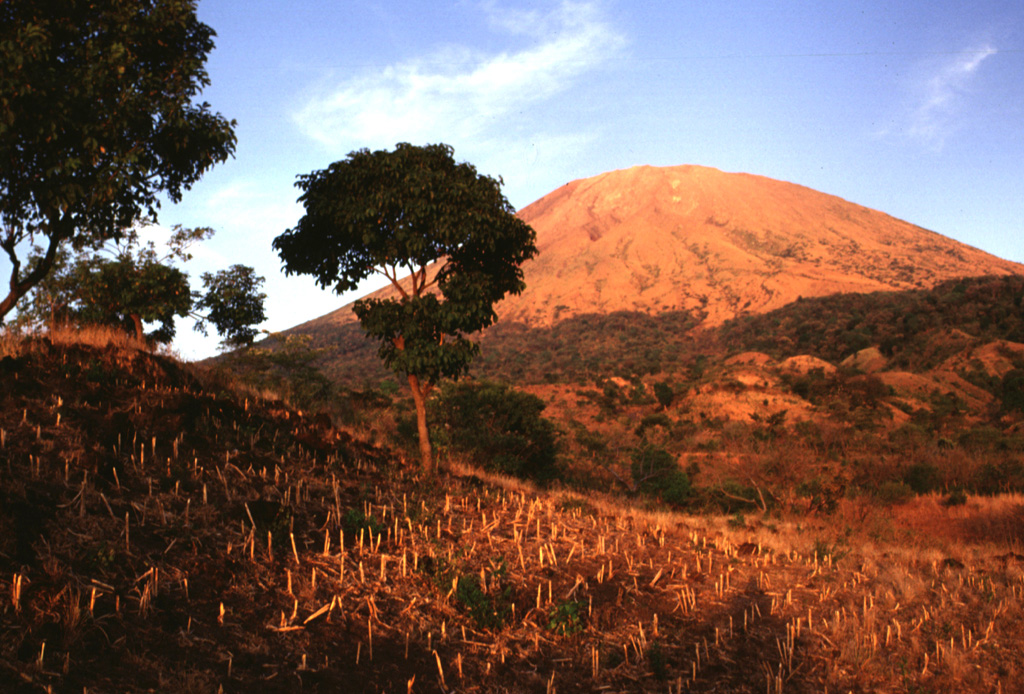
(356, 520)
(566, 619)
(489, 609)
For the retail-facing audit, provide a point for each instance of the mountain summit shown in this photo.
(689, 237)
(655, 239)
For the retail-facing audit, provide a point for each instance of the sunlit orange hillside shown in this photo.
(689, 237)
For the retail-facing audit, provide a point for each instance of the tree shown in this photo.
(97, 120)
(412, 210)
(233, 303)
(127, 284)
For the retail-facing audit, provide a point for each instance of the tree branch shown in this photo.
(393, 278)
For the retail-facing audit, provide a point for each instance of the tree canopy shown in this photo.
(413, 211)
(97, 120)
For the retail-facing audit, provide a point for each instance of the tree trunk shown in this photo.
(419, 397)
(21, 287)
(140, 335)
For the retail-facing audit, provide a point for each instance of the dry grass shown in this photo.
(15, 343)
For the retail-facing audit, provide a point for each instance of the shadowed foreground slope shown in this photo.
(160, 532)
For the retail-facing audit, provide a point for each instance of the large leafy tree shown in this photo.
(413, 211)
(98, 119)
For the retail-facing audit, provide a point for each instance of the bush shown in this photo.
(498, 427)
(663, 392)
(922, 477)
(657, 474)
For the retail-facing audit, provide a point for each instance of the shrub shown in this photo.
(498, 427)
(656, 474)
(664, 394)
(822, 492)
(922, 477)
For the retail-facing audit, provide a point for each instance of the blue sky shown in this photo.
(915, 108)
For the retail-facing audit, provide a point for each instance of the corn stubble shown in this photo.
(165, 534)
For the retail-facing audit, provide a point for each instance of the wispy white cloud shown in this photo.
(943, 97)
(464, 91)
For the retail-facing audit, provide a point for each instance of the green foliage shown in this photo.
(591, 441)
(99, 117)
(957, 497)
(287, 365)
(356, 521)
(499, 427)
(731, 497)
(770, 426)
(823, 548)
(658, 660)
(822, 492)
(985, 438)
(233, 303)
(997, 477)
(649, 421)
(566, 618)
(490, 604)
(657, 474)
(130, 290)
(487, 613)
(664, 394)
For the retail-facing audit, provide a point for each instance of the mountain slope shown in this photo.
(654, 239)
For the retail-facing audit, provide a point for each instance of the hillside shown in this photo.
(163, 530)
(162, 533)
